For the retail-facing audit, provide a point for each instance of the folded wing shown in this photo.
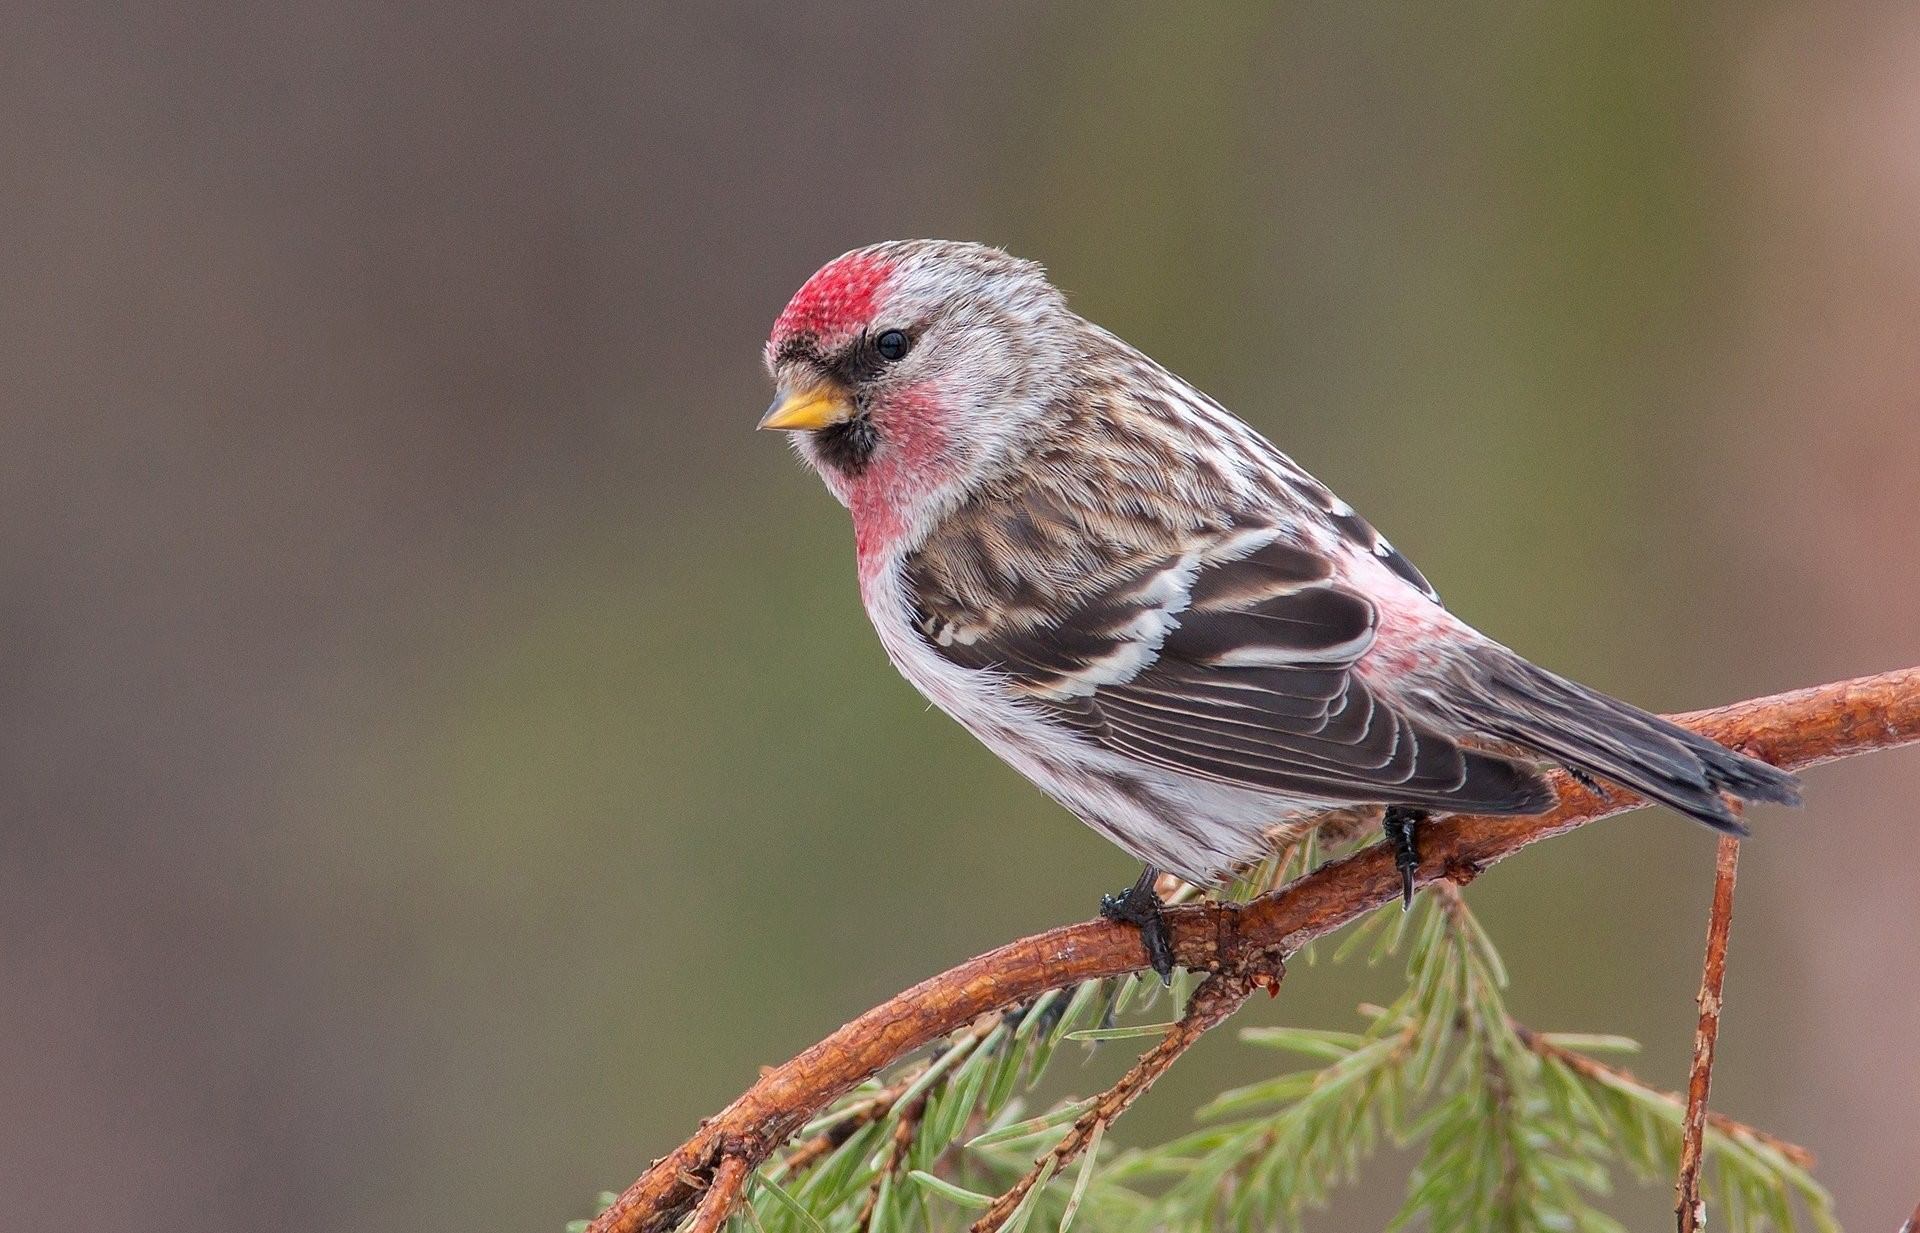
(1229, 657)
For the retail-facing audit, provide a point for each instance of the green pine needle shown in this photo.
(1510, 1135)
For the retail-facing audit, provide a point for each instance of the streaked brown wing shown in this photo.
(1231, 665)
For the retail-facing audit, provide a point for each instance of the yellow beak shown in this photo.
(818, 407)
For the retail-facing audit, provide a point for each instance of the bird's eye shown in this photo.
(893, 345)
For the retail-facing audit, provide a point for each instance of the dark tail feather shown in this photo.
(1605, 737)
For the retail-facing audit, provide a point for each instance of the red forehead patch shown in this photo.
(838, 299)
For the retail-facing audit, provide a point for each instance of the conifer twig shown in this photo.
(1598, 1071)
(877, 1107)
(1689, 1211)
(873, 1109)
(1217, 997)
(903, 1132)
(1792, 730)
(723, 1191)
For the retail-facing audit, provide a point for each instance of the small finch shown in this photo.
(1149, 611)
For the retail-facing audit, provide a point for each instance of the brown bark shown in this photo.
(1793, 730)
(1689, 1212)
(728, 1183)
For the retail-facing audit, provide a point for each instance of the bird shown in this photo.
(1147, 609)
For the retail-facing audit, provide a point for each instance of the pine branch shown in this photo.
(1689, 1212)
(1791, 730)
(877, 1107)
(1520, 1131)
(1597, 1071)
(1218, 996)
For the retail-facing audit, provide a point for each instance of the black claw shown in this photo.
(1139, 905)
(1400, 825)
(1159, 946)
(1585, 780)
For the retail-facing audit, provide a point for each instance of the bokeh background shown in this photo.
(441, 752)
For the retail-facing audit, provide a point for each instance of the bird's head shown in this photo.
(910, 372)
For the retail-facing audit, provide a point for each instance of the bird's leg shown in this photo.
(1399, 824)
(1140, 905)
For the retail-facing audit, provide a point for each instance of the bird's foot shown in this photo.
(1400, 825)
(1139, 905)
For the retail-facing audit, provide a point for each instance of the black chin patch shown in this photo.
(847, 446)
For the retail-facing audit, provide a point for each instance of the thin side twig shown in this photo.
(1216, 997)
(729, 1182)
(1793, 730)
(903, 1132)
(1599, 1072)
(1690, 1211)
(858, 1117)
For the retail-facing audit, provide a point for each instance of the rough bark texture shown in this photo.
(1793, 730)
(1689, 1212)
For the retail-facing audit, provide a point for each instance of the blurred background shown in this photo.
(442, 755)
